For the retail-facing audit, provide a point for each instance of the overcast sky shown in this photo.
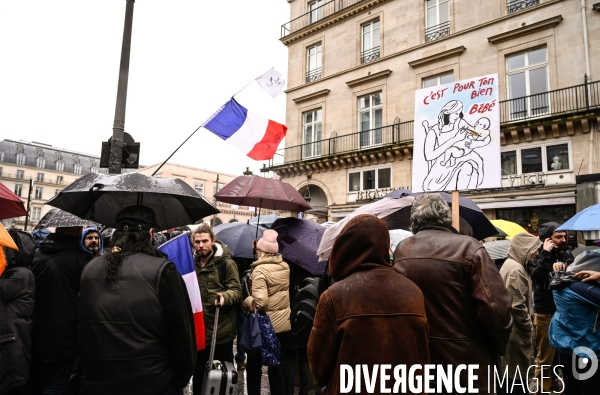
(60, 63)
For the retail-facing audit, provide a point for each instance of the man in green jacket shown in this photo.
(218, 278)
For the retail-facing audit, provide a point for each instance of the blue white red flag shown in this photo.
(255, 136)
(180, 253)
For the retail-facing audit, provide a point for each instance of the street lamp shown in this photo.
(307, 191)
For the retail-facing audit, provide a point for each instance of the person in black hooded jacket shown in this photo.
(17, 287)
(57, 268)
(554, 249)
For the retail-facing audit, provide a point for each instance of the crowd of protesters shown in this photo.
(83, 315)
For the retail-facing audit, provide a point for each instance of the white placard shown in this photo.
(457, 136)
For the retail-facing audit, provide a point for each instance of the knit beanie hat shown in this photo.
(268, 242)
(546, 230)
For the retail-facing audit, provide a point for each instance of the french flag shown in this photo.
(255, 136)
(180, 253)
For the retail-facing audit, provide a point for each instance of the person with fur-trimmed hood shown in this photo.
(555, 254)
(218, 280)
(522, 252)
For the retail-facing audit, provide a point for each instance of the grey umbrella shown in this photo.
(238, 237)
(59, 218)
(497, 249)
(99, 197)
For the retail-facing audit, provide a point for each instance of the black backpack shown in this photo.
(304, 307)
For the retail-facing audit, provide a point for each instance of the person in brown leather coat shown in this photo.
(370, 315)
(468, 306)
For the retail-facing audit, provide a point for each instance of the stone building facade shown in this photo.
(353, 68)
(49, 168)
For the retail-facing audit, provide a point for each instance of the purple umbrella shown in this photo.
(298, 241)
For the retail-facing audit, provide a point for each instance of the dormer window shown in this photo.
(41, 162)
(60, 165)
(77, 168)
(21, 159)
(1, 156)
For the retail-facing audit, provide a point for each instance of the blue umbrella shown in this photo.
(298, 241)
(238, 237)
(482, 227)
(265, 220)
(585, 220)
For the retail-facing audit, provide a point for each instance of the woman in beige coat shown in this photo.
(270, 294)
(515, 274)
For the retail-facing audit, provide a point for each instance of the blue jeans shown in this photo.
(240, 356)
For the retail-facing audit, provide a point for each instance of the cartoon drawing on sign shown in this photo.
(450, 150)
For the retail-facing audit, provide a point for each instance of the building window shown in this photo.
(527, 76)
(21, 159)
(59, 180)
(538, 159)
(199, 187)
(40, 177)
(439, 79)
(370, 42)
(315, 11)
(20, 174)
(93, 170)
(18, 189)
(60, 165)
(41, 162)
(38, 192)
(370, 119)
(313, 63)
(437, 19)
(370, 179)
(312, 125)
(36, 214)
(77, 168)
(518, 5)
(1, 156)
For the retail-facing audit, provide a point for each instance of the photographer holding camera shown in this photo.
(555, 254)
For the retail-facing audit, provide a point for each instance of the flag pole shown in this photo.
(248, 84)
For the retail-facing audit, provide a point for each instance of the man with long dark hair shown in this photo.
(136, 329)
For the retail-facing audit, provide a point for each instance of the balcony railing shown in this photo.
(560, 101)
(385, 135)
(571, 100)
(435, 32)
(518, 5)
(369, 55)
(313, 75)
(315, 15)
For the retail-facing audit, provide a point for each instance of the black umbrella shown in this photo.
(469, 210)
(59, 218)
(238, 237)
(100, 197)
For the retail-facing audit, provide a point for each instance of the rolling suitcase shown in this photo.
(220, 378)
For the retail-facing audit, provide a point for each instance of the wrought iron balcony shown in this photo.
(438, 31)
(315, 15)
(368, 139)
(566, 101)
(518, 5)
(313, 75)
(369, 55)
(560, 101)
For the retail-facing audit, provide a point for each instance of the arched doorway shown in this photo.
(214, 221)
(233, 220)
(318, 201)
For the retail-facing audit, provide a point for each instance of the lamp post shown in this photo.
(116, 145)
(307, 192)
(214, 220)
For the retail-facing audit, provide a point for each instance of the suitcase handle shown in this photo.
(209, 363)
